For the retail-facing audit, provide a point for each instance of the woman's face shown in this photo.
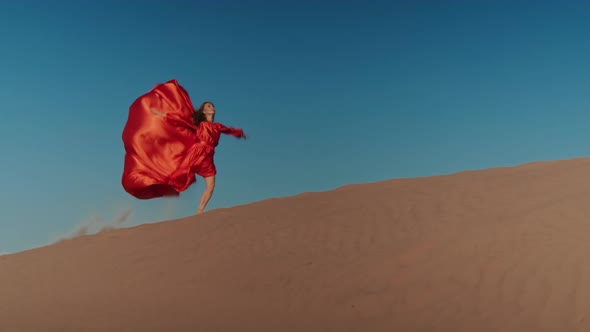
(209, 109)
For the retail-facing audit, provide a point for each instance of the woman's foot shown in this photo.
(199, 211)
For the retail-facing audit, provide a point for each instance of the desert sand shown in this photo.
(500, 249)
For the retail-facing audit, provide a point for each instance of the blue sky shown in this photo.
(330, 94)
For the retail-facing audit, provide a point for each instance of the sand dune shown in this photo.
(502, 249)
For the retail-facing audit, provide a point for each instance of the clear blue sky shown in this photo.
(330, 93)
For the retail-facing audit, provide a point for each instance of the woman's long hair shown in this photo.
(199, 116)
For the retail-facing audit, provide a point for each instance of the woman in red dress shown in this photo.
(167, 142)
(199, 157)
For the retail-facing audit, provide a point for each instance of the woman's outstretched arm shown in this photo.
(173, 119)
(237, 132)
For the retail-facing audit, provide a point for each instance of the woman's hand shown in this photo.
(156, 112)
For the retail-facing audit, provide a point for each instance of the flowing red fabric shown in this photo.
(156, 145)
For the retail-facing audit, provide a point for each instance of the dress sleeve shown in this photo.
(177, 121)
(237, 132)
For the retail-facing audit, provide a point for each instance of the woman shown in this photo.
(164, 152)
(199, 157)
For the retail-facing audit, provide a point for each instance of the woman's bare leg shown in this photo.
(209, 186)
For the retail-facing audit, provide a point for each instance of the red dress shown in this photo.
(199, 156)
(163, 153)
